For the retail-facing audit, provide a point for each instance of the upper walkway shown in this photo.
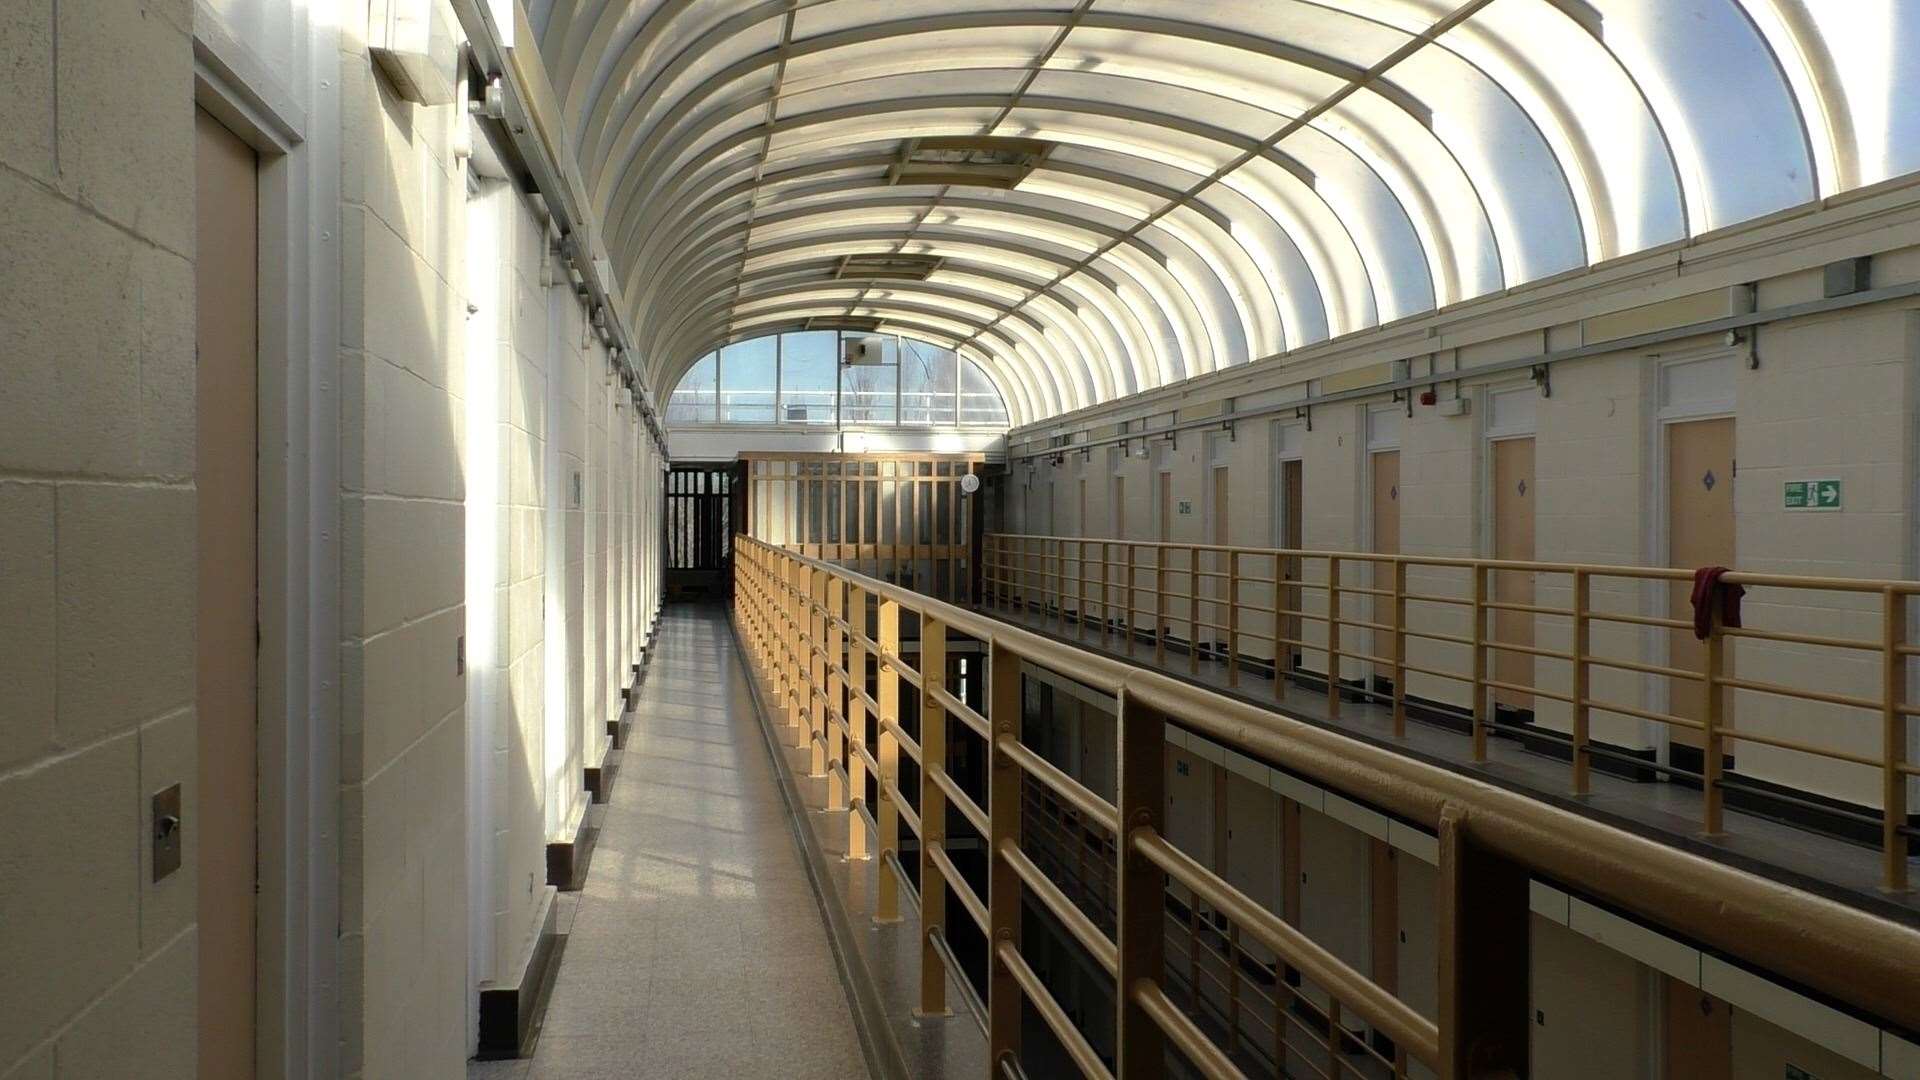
(1530, 761)
(1423, 639)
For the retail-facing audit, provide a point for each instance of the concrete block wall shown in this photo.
(97, 536)
(507, 250)
(403, 878)
(1861, 369)
(97, 543)
(1828, 397)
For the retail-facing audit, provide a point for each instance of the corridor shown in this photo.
(599, 538)
(696, 947)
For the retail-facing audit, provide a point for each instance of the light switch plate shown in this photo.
(166, 829)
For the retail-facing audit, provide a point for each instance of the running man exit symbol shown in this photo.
(1812, 495)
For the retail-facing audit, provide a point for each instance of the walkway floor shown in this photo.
(697, 948)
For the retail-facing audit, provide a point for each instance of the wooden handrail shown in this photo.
(1490, 837)
(1361, 616)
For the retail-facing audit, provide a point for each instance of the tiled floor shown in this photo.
(697, 947)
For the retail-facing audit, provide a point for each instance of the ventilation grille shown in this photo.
(980, 161)
(859, 323)
(892, 267)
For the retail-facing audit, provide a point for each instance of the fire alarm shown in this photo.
(1428, 396)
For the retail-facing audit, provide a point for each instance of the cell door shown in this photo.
(226, 476)
(1699, 533)
(1292, 536)
(1699, 1032)
(1513, 496)
(1386, 538)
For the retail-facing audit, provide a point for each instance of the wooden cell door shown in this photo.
(1117, 513)
(1386, 540)
(1220, 532)
(1513, 498)
(1165, 524)
(226, 475)
(1699, 1030)
(1699, 533)
(1292, 537)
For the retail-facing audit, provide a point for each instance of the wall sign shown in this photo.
(1811, 495)
(1186, 506)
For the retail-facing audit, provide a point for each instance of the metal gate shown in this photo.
(699, 524)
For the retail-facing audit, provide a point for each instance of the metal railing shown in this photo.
(816, 633)
(1216, 601)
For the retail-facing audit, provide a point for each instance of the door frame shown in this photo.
(1665, 412)
(293, 128)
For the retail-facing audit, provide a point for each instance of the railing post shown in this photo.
(1233, 618)
(1582, 677)
(1399, 607)
(886, 906)
(1333, 637)
(1485, 957)
(1482, 706)
(1193, 610)
(1712, 741)
(1126, 624)
(857, 724)
(795, 629)
(1160, 605)
(1004, 779)
(1280, 647)
(1142, 903)
(1080, 565)
(836, 692)
(817, 669)
(1106, 596)
(933, 816)
(1060, 587)
(1893, 802)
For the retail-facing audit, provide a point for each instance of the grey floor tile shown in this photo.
(696, 948)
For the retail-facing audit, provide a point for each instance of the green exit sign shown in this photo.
(1812, 495)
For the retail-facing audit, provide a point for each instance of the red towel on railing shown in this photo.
(1709, 594)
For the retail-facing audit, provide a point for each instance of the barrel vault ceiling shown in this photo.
(1096, 197)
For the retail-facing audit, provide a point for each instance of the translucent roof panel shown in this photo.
(1089, 198)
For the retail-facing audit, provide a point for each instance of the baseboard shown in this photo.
(1807, 810)
(600, 778)
(511, 1011)
(567, 859)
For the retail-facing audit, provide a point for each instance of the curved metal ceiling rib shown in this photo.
(1210, 183)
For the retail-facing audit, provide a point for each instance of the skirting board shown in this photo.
(600, 778)
(567, 859)
(510, 1011)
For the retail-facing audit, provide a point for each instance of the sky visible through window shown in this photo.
(797, 378)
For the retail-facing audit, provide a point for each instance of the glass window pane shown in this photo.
(926, 383)
(809, 374)
(693, 400)
(747, 382)
(979, 402)
(867, 391)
